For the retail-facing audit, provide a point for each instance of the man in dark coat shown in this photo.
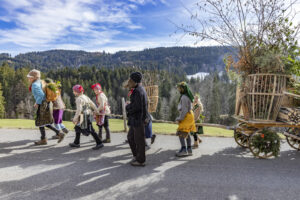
(137, 112)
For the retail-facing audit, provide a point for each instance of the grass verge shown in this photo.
(116, 125)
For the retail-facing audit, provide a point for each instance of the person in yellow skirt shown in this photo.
(186, 121)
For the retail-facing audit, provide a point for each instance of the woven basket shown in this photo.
(265, 95)
(152, 93)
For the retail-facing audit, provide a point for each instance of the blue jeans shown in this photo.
(59, 126)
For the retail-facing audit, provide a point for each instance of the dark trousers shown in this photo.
(43, 132)
(91, 130)
(136, 140)
(106, 127)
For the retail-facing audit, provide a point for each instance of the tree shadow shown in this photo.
(65, 173)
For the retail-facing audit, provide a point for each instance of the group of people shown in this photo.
(139, 119)
(85, 111)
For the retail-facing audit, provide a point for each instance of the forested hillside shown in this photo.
(173, 59)
(216, 91)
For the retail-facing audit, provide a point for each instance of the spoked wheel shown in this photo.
(292, 138)
(259, 147)
(242, 133)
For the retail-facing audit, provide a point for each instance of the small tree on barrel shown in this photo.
(261, 31)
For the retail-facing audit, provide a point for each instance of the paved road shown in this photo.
(218, 170)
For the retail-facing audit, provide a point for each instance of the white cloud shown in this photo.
(92, 25)
(42, 23)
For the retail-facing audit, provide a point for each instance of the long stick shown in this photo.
(124, 114)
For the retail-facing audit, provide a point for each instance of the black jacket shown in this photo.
(137, 110)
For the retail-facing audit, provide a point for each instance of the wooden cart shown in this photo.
(246, 130)
(257, 108)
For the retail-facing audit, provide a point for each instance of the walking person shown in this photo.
(137, 112)
(186, 120)
(104, 111)
(58, 112)
(148, 132)
(197, 109)
(83, 118)
(43, 115)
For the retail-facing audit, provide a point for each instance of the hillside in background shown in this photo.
(173, 59)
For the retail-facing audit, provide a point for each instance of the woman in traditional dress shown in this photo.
(186, 120)
(83, 118)
(43, 115)
(197, 109)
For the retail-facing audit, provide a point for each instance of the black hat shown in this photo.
(136, 77)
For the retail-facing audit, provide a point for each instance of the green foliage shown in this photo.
(294, 85)
(111, 82)
(54, 86)
(216, 91)
(15, 87)
(2, 103)
(268, 141)
(293, 64)
(274, 53)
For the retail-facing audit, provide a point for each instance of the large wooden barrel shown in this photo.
(265, 95)
(152, 93)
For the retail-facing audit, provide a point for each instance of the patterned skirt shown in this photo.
(43, 115)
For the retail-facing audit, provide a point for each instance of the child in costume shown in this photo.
(104, 111)
(83, 118)
(186, 120)
(58, 112)
(197, 109)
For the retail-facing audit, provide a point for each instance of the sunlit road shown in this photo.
(217, 170)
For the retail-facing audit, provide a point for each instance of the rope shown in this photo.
(171, 122)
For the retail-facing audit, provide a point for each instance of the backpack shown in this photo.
(51, 90)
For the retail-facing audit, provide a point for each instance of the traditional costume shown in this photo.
(84, 117)
(186, 120)
(104, 110)
(43, 115)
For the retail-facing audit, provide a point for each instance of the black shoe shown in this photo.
(98, 146)
(153, 138)
(74, 145)
(66, 131)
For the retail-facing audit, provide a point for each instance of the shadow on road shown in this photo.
(44, 173)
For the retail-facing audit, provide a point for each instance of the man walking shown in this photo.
(137, 117)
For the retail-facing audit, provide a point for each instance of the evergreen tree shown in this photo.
(215, 100)
(2, 104)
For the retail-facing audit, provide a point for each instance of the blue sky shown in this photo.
(91, 25)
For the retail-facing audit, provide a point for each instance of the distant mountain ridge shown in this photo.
(187, 60)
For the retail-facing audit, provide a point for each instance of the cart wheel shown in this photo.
(240, 139)
(294, 143)
(256, 151)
